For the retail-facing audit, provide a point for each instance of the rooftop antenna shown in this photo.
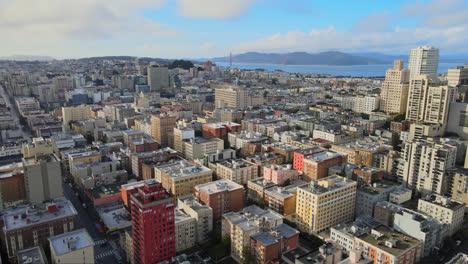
(230, 59)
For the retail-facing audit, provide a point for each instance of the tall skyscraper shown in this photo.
(394, 92)
(423, 60)
(153, 224)
(429, 102)
(158, 78)
(161, 126)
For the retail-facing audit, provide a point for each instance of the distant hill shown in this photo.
(302, 58)
(27, 58)
(446, 58)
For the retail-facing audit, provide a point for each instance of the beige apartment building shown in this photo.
(182, 134)
(75, 113)
(72, 247)
(42, 178)
(203, 215)
(428, 102)
(196, 148)
(161, 126)
(394, 91)
(231, 96)
(444, 210)
(325, 203)
(39, 146)
(242, 225)
(237, 170)
(184, 230)
(180, 178)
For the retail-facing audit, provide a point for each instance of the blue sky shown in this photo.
(208, 28)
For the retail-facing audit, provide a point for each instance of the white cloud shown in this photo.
(438, 13)
(216, 9)
(449, 40)
(40, 23)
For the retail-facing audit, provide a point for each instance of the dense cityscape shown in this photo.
(139, 160)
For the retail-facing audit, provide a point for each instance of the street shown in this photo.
(15, 114)
(105, 251)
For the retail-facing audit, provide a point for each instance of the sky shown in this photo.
(211, 28)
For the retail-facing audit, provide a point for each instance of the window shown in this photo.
(463, 119)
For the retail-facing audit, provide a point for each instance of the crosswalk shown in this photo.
(104, 254)
(99, 242)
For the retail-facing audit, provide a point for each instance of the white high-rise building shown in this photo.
(427, 101)
(231, 96)
(423, 60)
(456, 75)
(424, 164)
(394, 92)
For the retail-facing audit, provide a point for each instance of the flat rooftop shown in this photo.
(183, 169)
(364, 144)
(403, 242)
(71, 241)
(247, 219)
(115, 217)
(236, 163)
(327, 184)
(221, 124)
(24, 216)
(33, 255)
(262, 183)
(105, 190)
(323, 156)
(443, 201)
(377, 187)
(219, 186)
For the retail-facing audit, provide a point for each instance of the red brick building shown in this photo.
(153, 224)
(367, 174)
(298, 162)
(267, 247)
(220, 129)
(316, 166)
(143, 145)
(222, 196)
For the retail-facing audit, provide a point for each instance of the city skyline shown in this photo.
(200, 29)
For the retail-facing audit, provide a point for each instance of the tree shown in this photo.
(184, 64)
(343, 172)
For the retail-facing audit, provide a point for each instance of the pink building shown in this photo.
(277, 174)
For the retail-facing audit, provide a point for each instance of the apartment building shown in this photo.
(161, 127)
(152, 213)
(196, 148)
(231, 96)
(423, 60)
(76, 113)
(394, 91)
(182, 134)
(237, 170)
(180, 178)
(424, 164)
(325, 203)
(27, 226)
(367, 196)
(72, 247)
(242, 225)
(443, 209)
(203, 215)
(222, 196)
(316, 166)
(38, 146)
(361, 152)
(299, 155)
(185, 232)
(42, 178)
(219, 129)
